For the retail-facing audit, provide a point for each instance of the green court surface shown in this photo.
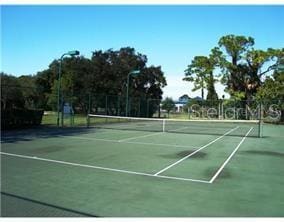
(121, 173)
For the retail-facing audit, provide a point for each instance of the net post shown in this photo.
(164, 125)
(88, 120)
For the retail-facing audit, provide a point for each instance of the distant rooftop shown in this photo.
(185, 98)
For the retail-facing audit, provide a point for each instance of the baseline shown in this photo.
(102, 168)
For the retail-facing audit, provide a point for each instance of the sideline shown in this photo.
(191, 154)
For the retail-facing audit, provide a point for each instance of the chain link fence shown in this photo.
(72, 110)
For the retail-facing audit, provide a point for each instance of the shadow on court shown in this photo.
(184, 153)
(26, 207)
(264, 152)
(17, 135)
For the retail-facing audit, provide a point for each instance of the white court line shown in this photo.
(178, 129)
(127, 125)
(225, 163)
(129, 142)
(191, 154)
(161, 144)
(101, 168)
(142, 124)
(86, 138)
(136, 137)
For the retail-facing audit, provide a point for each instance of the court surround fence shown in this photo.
(271, 111)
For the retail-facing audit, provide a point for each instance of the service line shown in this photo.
(191, 154)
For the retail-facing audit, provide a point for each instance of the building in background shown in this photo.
(182, 101)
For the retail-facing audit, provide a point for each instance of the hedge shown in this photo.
(19, 118)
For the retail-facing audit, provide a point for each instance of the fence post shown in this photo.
(117, 106)
(106, 106)
(89, 109)
(129, 106)
(147, 112)
(139, 107)
(260, 120)
(71, 114)
(219, 109)
(89, 103)
(159, 101)
(62, 111)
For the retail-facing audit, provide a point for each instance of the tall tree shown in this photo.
(46, 84)
(200, 72)
(78, 80)
(11, 92)
(168, 104)
(113, 67)
(30, 92)
(272, 91)
(105, 74)
(196, 73)
(215, 59)
(244, 67)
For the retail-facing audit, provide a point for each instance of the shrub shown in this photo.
(20, 118)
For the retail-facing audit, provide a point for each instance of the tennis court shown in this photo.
(144, 169)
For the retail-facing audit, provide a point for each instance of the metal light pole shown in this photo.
(134, 73)
(71, 53)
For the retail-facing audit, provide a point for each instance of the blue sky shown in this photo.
(170, 36)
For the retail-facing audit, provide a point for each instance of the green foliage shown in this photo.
(11, 92)
(30, 91)
(200, 72)
(168, 104)
(242, 67)
(18, 96)
(112, 68)
(18, 118)
(104, 74)
(192, 102)
(44, 82)
(244, 70)
(196, 73)
(272, 92)
(235, 46)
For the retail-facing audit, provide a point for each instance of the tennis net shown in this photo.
(208, 127)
